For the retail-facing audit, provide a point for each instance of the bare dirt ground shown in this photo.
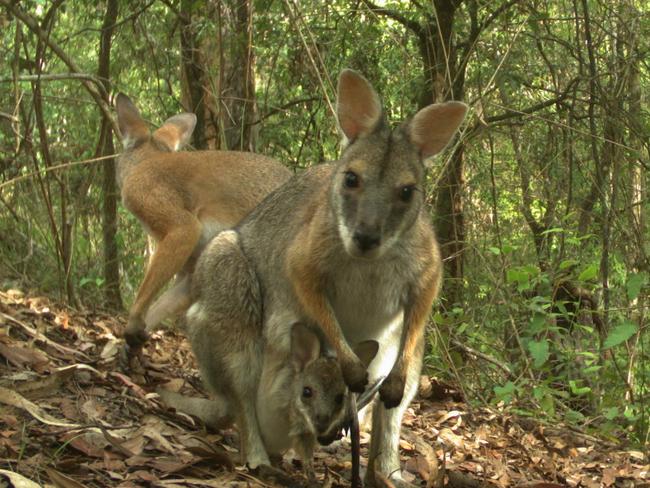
(69, 418)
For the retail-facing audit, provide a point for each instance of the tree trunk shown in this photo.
(236, 105)
(192, 74)
(105, 147)
(442, 82)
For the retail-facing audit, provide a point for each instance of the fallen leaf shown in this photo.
(61, 480)
(20, 355)
(12, 398)
(18, 480)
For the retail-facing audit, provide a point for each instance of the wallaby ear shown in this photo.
(358, 107)
(176, 131)
(305, 346)
(129, 120)
(366, 351)
(434, 126)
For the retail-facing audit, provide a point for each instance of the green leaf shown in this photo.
(573, 416)
(592, 369)
(538, 323)
(494, 250)
(634, 284)
(589, 273)
(548, 404)
(578, 390)
(539, 352)
(620, 333)
(567, 263)
(519, 276)
(505, 392)
(462, 328)
(611, 413)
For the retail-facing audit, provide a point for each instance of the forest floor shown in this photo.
(69, 418)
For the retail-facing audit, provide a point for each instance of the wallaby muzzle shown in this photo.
(366, 241)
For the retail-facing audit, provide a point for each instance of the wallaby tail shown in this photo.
(213, 412)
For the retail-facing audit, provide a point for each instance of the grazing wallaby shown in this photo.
(346, 246)
(299, 401)
(182, 200)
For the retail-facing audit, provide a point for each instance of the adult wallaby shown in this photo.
(345, 246)
(182, 200)
(299, 402)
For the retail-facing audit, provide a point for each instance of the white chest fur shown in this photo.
(367, 300)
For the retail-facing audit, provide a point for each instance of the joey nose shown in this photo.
(366, 241)
(322, 422)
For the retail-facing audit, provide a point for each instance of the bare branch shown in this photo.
(513, 113)
(94, 91)
(53, 77)
(489, 359)
(408, 23)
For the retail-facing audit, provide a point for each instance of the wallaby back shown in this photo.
(182, 200)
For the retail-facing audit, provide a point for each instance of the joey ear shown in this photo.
(129, 120)
(305, 346)
(366, 351)
(176, 131)
(358, 107)
(433, 127)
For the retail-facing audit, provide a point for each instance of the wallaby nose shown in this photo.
(366, 241)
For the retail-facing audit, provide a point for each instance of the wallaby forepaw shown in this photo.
(392, 390)
(355, 376)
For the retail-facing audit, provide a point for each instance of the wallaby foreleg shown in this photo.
(415, 320)
(383, 456)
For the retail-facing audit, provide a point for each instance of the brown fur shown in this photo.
(347, 247)
(182, 198)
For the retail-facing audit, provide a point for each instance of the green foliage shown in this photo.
(620, 334)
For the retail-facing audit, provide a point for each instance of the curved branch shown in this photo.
(408, 23)
(512, 113)
(95, 92)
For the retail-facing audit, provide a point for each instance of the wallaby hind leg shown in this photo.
(383, 456)
(171, 253)
(213, 412)
(169, 305)
(225, 329)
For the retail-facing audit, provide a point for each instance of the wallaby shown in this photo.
(346, 246)
(182, 200)
(299, 402)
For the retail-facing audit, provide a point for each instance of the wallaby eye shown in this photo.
(307, 392)
(406, 193)
(339, 399)
(351, 179)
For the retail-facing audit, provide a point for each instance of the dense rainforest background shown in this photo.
(541, 205)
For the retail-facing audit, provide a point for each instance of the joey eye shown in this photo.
(406, 193)
(339, 399)
(351, 179)
(307, 392)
